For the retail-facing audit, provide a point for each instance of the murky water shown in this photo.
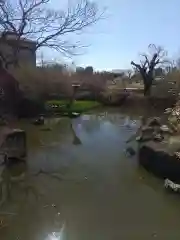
(81, 185)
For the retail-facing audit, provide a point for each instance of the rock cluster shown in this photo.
(152, 129)
(159, 145)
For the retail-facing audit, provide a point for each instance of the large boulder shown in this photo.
(160, 159)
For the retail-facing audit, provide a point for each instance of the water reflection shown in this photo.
(91, 126)
(129, 123)
(56, 235)
(92, 187)
(14, 181)
(76, 139)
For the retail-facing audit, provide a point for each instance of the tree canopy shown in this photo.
(49, 28)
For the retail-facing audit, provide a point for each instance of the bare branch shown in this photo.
(146, 62)
(35, 20)
(138, 66)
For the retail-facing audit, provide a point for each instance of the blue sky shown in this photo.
(130, 26)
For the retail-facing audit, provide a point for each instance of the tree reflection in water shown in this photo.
(91, 126)
(76, 139)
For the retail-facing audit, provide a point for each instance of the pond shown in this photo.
(79, 184)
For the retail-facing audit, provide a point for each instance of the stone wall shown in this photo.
(26, 54)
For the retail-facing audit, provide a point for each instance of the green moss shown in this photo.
(77, 106)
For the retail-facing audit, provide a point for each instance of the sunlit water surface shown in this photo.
(80, 185)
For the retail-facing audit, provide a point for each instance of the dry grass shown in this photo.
(42, 82)
(36, 82)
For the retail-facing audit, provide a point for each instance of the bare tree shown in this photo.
(147, 66)
(49, 28)
(129, 73)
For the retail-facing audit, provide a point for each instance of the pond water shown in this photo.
(79, 184)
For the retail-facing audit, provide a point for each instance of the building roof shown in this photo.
(13, 36)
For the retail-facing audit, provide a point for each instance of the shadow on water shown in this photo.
(14, 178)
(16, 173)
(78, 183)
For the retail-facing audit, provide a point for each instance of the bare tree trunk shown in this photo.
(147, 85)
(147, 90)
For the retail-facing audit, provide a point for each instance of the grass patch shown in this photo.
(78, 106)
